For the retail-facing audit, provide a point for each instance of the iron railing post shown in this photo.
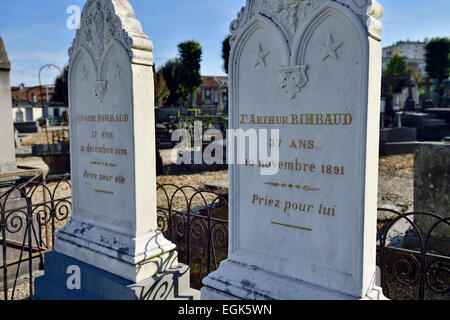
(5, 263)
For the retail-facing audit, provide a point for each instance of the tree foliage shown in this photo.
(396, 70)
(61, 88)
(190, 57)
(171, 73)
(226, 48)
(437, 57)
(162, 92)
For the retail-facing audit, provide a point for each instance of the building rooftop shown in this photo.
(34, 94)
(214, 81)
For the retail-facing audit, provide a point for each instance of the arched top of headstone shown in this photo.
(291, 15)
(105, 21)
(4, 61)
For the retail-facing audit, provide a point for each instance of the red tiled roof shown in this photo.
(27, 93)
(209, 81)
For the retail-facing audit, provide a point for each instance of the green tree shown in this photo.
(226, 48)
(61, 88)
(396, 70)
(421, 81)
(437, 58)
(394, 73)
(162, 92)
(171, 72)
(190, 58)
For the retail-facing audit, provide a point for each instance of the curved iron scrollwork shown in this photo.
(30, 214)
(418, 267)
(197, 222)
(414, 262)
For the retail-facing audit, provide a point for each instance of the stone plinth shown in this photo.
(415, 119)
(97, 284)
(398, 134)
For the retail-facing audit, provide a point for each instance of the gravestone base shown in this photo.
(9, 167)
(97, 284)
(132, 258)
(236, 281)
(398, 134)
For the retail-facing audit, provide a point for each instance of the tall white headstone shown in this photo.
(113, 226)
(312, 70)
(7, 152)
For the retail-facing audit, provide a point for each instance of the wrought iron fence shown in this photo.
(197, 222)
(413, 254)
(413, 263)
(30, 213)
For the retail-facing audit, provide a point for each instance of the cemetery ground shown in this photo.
(396, 191)
(44, 137)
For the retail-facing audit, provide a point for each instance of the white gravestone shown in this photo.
(114, 219)
(7, 152)
(311, 69)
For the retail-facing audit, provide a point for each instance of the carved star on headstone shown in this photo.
(85, 74)
(260, 56)
(117, 71)
(330, 48)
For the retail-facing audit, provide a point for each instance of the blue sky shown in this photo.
(35, 31)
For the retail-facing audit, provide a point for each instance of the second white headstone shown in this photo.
(312, 71)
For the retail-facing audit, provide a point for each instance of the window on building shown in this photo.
(29, 114)
(19, 116)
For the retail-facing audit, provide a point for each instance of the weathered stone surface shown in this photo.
(7, 154)
(4, 61)
(415, 119)
(398, 134)
(431, 187)
(312, 70)
(113, 225)
(440, 113)
(395, 148)
(111, 104)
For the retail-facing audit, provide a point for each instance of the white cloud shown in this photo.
(25, 66)
(47, 57)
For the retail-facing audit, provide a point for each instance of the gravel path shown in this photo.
(396, 184)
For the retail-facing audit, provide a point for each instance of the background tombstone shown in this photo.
(8, 166)
(11, 198)
(112, 235)
(7, 152)
(311, 69)
(432, 195)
